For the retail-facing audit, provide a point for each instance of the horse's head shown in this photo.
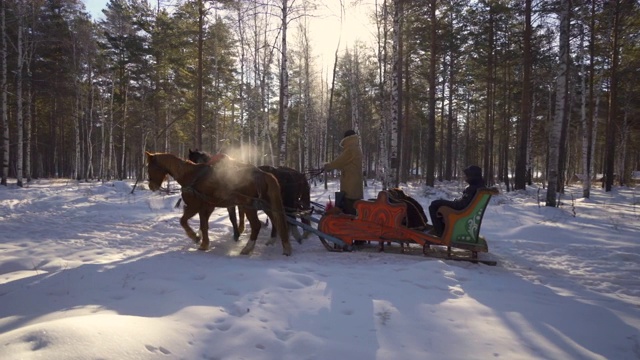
(199, 156)
(157, 173)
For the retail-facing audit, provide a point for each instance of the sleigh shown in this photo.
(381, 221)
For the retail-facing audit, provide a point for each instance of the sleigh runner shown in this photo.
(381, 220)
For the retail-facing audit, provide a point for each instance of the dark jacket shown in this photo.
(475, 181)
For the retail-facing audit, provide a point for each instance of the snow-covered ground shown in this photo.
(90, 271)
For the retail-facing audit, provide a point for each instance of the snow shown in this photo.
(91, 271)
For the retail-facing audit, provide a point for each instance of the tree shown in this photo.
(522, 171)
(4, 89)
(19, 102)
(431, 122)
(396, 94)
(612, 120)
(560, 106)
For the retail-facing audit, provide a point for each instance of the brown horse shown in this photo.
(225, 183)
(294, 187)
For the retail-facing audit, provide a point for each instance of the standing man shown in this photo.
(349, 162)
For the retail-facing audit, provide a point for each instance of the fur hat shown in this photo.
(473, 171)
(348, 133)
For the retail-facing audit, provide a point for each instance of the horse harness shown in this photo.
(257, 202)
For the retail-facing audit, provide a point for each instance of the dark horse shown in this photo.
(223, 184)
(294, 187)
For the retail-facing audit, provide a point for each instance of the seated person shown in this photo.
(474, 178)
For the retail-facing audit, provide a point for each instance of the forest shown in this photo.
(531, 91)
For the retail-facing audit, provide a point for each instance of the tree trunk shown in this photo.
(5, 118)
(125, 113)
(586, 124)
(111, 151)
(396, 93)
(431, 120)
(610, 147)
(89, 172)
(525, 114)
(199, 96)
(304, 154)
(489, 121)
(588, 165)
(382, 167)
(451, 123)
(76, 117)
(330, 112)
(19, 119)
(283, 114)
(241, 95)
(561, 103)
(27, 127)
(353, 92)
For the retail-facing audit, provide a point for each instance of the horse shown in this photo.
(225, 183)
(294, 187)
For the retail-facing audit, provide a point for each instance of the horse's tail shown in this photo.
(277, 211)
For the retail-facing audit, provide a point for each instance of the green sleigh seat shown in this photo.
(462, 227)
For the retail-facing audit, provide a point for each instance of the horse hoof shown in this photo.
(202, 248)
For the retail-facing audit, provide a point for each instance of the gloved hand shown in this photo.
(315, 172)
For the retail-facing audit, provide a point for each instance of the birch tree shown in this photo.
(283, 101)
(584, 120)
(560, 105)
(396, 91)
(307, 103)
(354, 93)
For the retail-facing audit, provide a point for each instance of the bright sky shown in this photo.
(325, 28)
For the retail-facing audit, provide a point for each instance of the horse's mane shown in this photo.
(210, 159)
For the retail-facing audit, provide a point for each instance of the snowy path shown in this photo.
(90, 271)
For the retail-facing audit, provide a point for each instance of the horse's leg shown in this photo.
(205, 213)
(241, 223)
(274, 230)
(187, 213)
(305, 202)
(293, 229)
(234, 222)
(305, 220)
(252, 216)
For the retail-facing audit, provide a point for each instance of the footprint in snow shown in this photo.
(156, 350)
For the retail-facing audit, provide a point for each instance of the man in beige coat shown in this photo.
(349, 162)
